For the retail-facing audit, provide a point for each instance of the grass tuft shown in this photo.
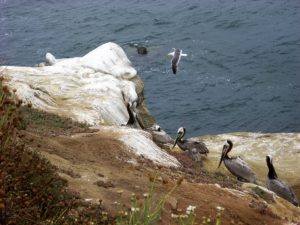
(31, 192)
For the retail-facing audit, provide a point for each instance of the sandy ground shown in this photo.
(100, 168)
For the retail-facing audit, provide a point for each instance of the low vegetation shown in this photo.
(31, 192)
(149, 210)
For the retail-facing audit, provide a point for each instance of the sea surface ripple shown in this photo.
(242, 72)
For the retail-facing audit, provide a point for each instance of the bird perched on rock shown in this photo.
(277, 186)
(133, 121)
(159, 135)
(176, 59)
(236, 165)
(194, 148)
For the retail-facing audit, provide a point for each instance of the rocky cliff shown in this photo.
(95, 89)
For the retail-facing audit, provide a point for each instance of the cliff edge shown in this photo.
(111, 159)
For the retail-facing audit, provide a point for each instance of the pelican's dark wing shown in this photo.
(189, 145)
(175, 60)
(240, 169)
(282, 190)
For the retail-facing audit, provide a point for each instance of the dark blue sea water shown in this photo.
(242, 72)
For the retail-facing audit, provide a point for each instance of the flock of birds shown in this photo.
(236, 165)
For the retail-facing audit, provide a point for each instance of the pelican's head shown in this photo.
(181, 130)
(180, 134)
(228, 145)
(269, 159)
(157, 128)
(226, 148)
(272, 173)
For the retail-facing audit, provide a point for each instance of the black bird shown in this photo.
(236, 165)
(176, 59)
(133, 120)
(277, 186)
(194, 148)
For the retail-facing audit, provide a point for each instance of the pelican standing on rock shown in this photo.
(159, 135)
(277, 186)
(194, 148)
(237, 166)
(176, 58)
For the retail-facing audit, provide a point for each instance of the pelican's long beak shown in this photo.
(176, 140)
(224, 152)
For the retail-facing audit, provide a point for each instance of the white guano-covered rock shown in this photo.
(140, 143)
(93, 89)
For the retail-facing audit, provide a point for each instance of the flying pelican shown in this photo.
(237, 166)
(277, 186)
(176, 58)
(194, 148)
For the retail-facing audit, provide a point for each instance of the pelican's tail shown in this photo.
(174, 69)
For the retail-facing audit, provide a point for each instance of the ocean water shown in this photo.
(242, 72)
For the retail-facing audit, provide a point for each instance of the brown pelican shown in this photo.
(237, 166)
(277, 186)
(159, 135)
(176, 58)
(194, 148)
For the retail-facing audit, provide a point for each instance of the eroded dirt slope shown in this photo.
(99, 167)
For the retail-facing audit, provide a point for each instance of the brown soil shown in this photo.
(97, 165)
